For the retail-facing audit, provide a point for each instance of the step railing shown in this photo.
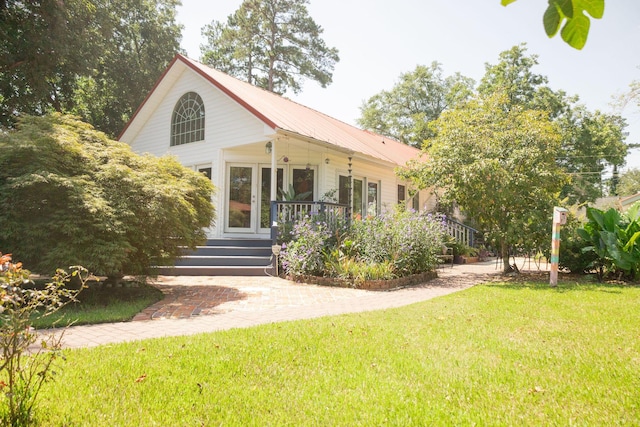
(460, 232)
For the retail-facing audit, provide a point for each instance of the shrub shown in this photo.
(409, 240)
(572, 257)
(304, 253)
(70, 195)
(24, 369)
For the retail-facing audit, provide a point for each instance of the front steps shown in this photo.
(225, 257)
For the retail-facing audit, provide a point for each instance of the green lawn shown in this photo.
(496, 354)
(99, 304)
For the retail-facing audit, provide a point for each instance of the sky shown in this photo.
(378, 40)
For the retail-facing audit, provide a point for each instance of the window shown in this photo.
(206, 171)
(304, 184)
(187, 121)
(372, 198)
(416, 202)
(401, 194)
(357, 198)
(343, 189)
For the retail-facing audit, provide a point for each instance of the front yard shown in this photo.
(499, 354)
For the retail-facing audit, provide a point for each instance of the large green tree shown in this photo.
(419, 97)
(143, 38)
(592, 142)
(499, 166)
(273, 44)
(629, 183)
(72, 196)
(572, 16)
(45, 45)
(96, 59)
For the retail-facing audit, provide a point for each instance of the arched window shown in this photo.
(187, 121)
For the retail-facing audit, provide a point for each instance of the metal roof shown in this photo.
(283, 114)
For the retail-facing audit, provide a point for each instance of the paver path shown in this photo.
(205, 304)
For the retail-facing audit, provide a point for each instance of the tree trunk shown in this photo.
(504, 251)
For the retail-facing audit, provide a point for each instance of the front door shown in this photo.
(241, 198)
(249, 197)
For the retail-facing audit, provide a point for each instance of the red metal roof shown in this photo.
(281, 113)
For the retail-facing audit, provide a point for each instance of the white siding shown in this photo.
(227, 124)
(234, 135)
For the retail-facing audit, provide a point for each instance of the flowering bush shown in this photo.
(303, 254)
(409, 240)
(396, 244)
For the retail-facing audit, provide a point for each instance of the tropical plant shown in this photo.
(613, 237)
(290, 194)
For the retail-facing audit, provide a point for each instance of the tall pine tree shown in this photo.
(273, 44)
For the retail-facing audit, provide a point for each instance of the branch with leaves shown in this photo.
(572, 16)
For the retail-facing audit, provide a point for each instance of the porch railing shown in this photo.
(462, 233)
(283, 212)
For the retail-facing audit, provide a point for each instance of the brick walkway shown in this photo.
(205, 304)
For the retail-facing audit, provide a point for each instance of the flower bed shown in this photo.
(370, 254)
(372, 285)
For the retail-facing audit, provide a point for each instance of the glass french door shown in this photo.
(265, 195)
(241, 198)
(249, 197)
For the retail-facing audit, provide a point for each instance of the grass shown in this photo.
(99, 304)
(496, 354)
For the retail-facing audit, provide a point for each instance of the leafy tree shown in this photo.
(272, 44)
(45, 45)
(629, 183)
(143, 38)
(573, 14)
(499, 166)
(591, 141)
(513, 76)
(72, 196)
(404, 112)
(94, 59)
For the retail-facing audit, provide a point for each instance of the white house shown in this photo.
(255, 144)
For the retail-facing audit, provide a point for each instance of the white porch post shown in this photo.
(274, 172)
